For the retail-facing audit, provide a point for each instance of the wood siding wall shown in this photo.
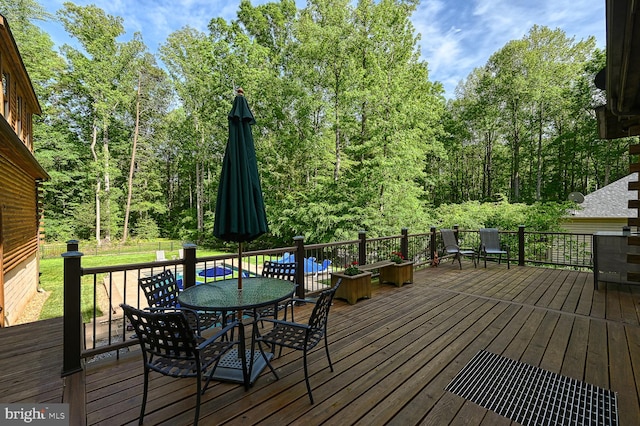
(20, 240)
(19, 87)
(20, 222)
(591, 226)
(19, 177)
(21, 283)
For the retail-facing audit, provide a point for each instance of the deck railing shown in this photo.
(100, 328)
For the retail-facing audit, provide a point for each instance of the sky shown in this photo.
(456, 36)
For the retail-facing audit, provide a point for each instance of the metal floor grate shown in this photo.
(532, 396)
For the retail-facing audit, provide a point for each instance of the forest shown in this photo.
(351, 133)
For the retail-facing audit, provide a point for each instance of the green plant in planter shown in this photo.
(352, 269)
(397, 257)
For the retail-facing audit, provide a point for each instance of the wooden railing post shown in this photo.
(362, 248)
(521, 245)
(72, 319)
(299, 242)
(432, 243)
(456, 228)
(404, 243)
(189, 265)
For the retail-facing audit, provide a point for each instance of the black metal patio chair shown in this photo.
(171, 347)
(490, 245)
(283, 271)
(451, 247)
(298, 336)
(161, 291)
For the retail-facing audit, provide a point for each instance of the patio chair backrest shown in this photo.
(490, 238)
(161, 290)
(171, 347)
(449, 239)
(284, 271)
(320, 315)
(164, 334)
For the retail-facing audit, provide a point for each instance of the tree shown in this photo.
(197, 67)
(530, 101)
(104, 76)
(153, 96)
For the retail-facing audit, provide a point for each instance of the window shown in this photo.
(19, 124)
(5, 94)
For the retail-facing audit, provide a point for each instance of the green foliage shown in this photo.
(147, 229)
(351, 134)
(523, 125)
(473, 215)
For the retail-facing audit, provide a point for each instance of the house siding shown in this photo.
(593, 225)
(21, 284)
(20, 175)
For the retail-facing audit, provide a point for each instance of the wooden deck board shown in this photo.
(393, 355)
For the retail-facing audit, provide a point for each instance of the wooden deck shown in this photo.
(393, 355)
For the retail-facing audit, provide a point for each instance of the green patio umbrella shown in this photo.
(240, 214)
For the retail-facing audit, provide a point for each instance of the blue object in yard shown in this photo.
(216, 271)
(310, 264)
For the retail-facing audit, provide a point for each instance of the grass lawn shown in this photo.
(52, 278)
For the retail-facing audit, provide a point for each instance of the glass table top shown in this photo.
(225, 296)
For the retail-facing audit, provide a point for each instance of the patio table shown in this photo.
(225, 296)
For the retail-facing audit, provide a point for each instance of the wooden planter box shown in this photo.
(398, 273)
(353, 287)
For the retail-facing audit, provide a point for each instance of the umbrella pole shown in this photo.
(240, 314)
(240, 266)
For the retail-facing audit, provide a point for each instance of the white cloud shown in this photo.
(460, 35)
(456, 35)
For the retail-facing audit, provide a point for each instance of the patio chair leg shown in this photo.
(306, 376)
(326, 348)
(198, 385)
(266, 359)
(144, 394)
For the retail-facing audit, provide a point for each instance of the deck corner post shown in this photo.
(189, 264)
(404, 243)
(299, 242)
(72, 317)
(521, 245)
(362, 247)
(432, 243)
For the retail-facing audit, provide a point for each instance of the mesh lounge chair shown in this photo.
(161, 291)
(490, 245)
(170, 347)
(451, 247)
(301, 337)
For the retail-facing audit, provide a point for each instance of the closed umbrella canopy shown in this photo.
(240, 213)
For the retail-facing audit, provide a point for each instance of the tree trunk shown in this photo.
(539, 156)
(199, 198)
(107, 183)
(515, 165)
(125, 232)
(488, 166)
(94, 140)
